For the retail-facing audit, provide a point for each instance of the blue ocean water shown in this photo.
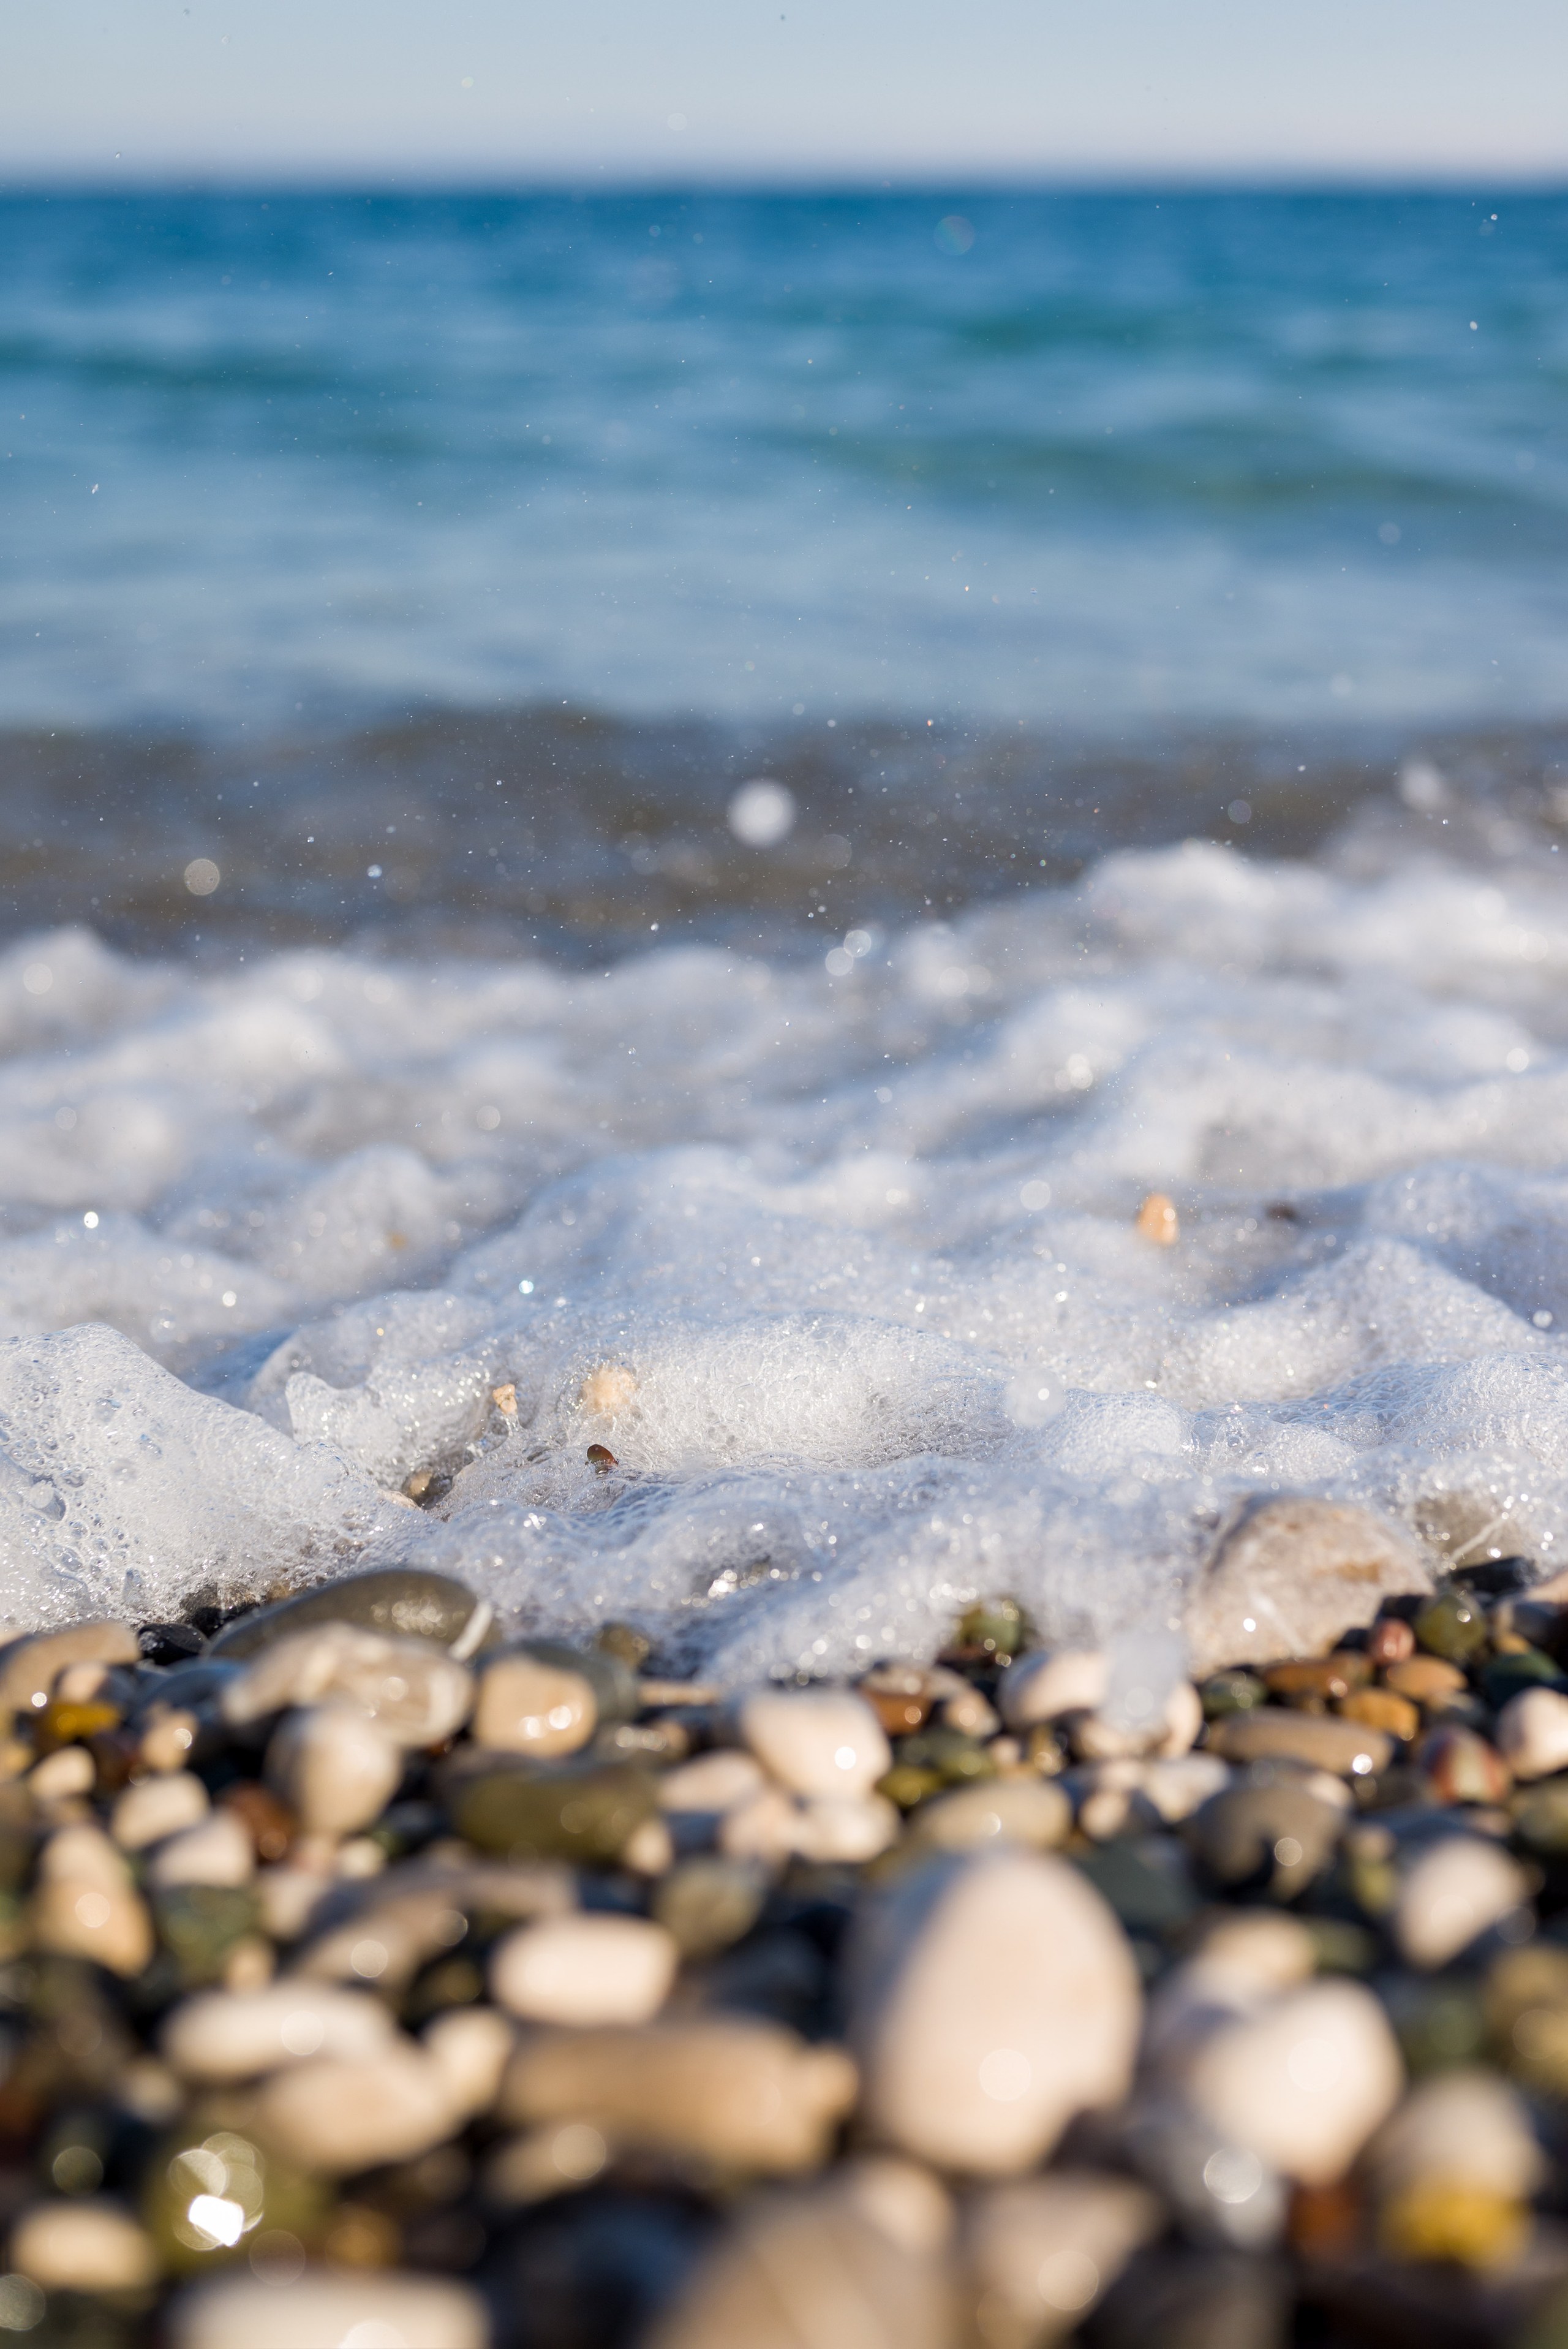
(1099, 462)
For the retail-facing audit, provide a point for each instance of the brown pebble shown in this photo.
(1463, 1768)
(900, 1695)
(1382, 1709)
(601, 1459)
(1426, 1680)
(1309, 1682)
(270, 1823)
(1158, 1220)
(1389, 1641)
(1269, 1732)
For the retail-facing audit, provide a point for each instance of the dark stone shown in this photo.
(1145, 1880)
(1273, 1836)
(593, 2271)
(168, 1643)
(556, 1814)
(407, 1602)
(1511, 1675)
(1193, 2299)
(1498, 1577)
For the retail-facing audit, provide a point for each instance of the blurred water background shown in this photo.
(416, 557)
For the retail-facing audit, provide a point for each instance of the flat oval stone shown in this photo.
(1032, 1812)
(1533, 1732)
(1425, 1679)
(92, 2244)
(584, 1970)
(416, 1696)
(846, 1830)
(1302, 2083)
(336, 1770)
(1320, 1740)
(1045, 1685)
(408, 1602)
(583, 1814)
(224, 2035)
(323, 2311)
(1277, 1835)
(1382, 1709)
(747, 2094)
(816, 1741)
(338, 2115)
(525, 1706)
(1454, 1890)
(144, 1813)
(28, 1666)
(712, 1784)
(1294, 1575)
(992, 2000)
(217, 1850)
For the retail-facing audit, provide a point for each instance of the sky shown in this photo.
(910, 91)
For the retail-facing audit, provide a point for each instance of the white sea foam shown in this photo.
(863, 1233)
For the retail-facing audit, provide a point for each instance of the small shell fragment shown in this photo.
(505, 1398)
(607, 1390)
(1157, 1220)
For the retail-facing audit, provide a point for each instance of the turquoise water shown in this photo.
(1093, 461)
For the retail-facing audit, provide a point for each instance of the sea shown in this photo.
(716, 784)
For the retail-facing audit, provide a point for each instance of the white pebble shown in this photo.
(526, 1706)
(323, 2311)
(816, 1741)
(1044, 1686)
(1040, 2253)
(1468, 2127)
(1531, 1732)
(220, 2035)
(343, 2114)
(712, 1784)
(217, 1851)
(1456, 1889)
(70, 1770)
(1029, 1811)
(336, 1770)
(144, 1813)
(846, 1829)
(1302, 2083)
(470, 2047)
(90, 2245)
(418, 1696)
(584, 1970)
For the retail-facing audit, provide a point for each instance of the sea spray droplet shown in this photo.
(201, 877)
(762, 813)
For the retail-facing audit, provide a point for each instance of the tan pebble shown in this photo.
(324, 2311)
(1040, 2254)
(1425, 1679)
(816, 1741)
(505, 1399)
(748, 2095)
(532, 2167)
(586, 1970)
(846, 1830)
(111, 1927)
(342, 2114)
(910, 2206)
(220, 2036)
(525, 1706)
(1181, 1786)
(1303, 2082)
(79, 1683)
(1531, 1734)
(608, 1390)
(764, 1828)
(1469, 2127)
(1272, 1733)
(90, 2245)
(1259, 1947)
(168, 1737)
(83, 1854)
(1111, 1811)
(360, 1857)
(1043, 1686)
(1158, 1220)
(1457, 1888)
(964, 1708)
(1382, 1709)
(1027, 1811)
(398, 1500)
(649, 1849)
(470, 2046)
(287, 1897)
(994, 1998)
(416, 1696)
(59, 1775)
(216, 1851)
(712, 1785)
(809, 2269)
(250, 1965)
(155, 1807)
(30, 1666)
(1292, 1577)
(336, 1770)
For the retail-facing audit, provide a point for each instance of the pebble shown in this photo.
(1323, 1742)
(816, 1741)
(337, 2114)
(155, 1807)
(1456, 1889)
(1097, 1738)
(80, 1919)
(320, 2309)
(1031, 1812)
(586, 1970)
(1177, 1788)
(1045, 1685)
(1277, 1836)
(336, 1770)
(416, 1696)
(470, 2047)
(1157, 1220)
(1390, 1641)
(29, 1666)
(525, 1706)
(91, 2244)
(217, 1850)
(1463, 1768)
(846, 1829)
(568, 1813)
(1303, 2082)
(1427, 1679)
(992, 1998)
(1533, 1732)
(1382, 1709)
(708, 1903)
(811, 2271)
(1452, 1624)
(746, 2094)
(1040, 2253)
(1290, 1578)
(407, 1602)
(1469, 2127)
(219, 2037)
(1312, 1682)
(63, 1774)
(700, 1794)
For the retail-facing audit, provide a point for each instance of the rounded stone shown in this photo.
(334, 2116)
(216, 1850)
(748, 2095)
(1274, 1835)
(584, 1970)
(527, 1707)
(1097, 1738)
(29, 1666)
(416, 1696)
(407, 1602)
(1454, 1890)
(846, 1829)
(1032, 1812)
(1463, 1768)
(805, 2270)
(705, 1789)
(1045, 1685)
(1425, 1679)
(587, 1814)
(323, 2311)
(1452, 1625)
(1469, 2127)
(1040, 2253)
(336, 1770)
(708, 1903)
(1292, 1577)
(1533, 1732)
(1302, 2083)
(1382, 1709)
(1322, 1742)
(223, 2035)
(108, 1924)
(87, 2245)
(816, 1741)
(992, 1998)
(155, 1807)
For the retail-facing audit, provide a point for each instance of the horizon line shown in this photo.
(452, 180)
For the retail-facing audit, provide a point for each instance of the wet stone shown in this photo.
(157, 1807)
(585, 1971)
(403, 1601)
(1382, 1709)
(816, 1742)
(29, 1666)
(1303, 2082)
(1452, 1625)
(525, 1706)
(1428, 1681)
(418, 1696)
(1310, 1683)
(1277, 1838)
(336, 1770)
(1292, 1577)
(1389, 1641)
(1034, 1813)
(1321, 1740)
(91, 2244)
(1047, 1683)
(588, 1815)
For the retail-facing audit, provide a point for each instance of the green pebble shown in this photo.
(406, 1601)
(953, 1757)
(1509, 1676)
(199, 1924)
(1452, 1625)
(708, 1903)
(1231, 1692)
(198, 2161)
(1541, 1818)
(568, 1814)
(1438, 2024)
(997, 1628)
(907, 1786)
